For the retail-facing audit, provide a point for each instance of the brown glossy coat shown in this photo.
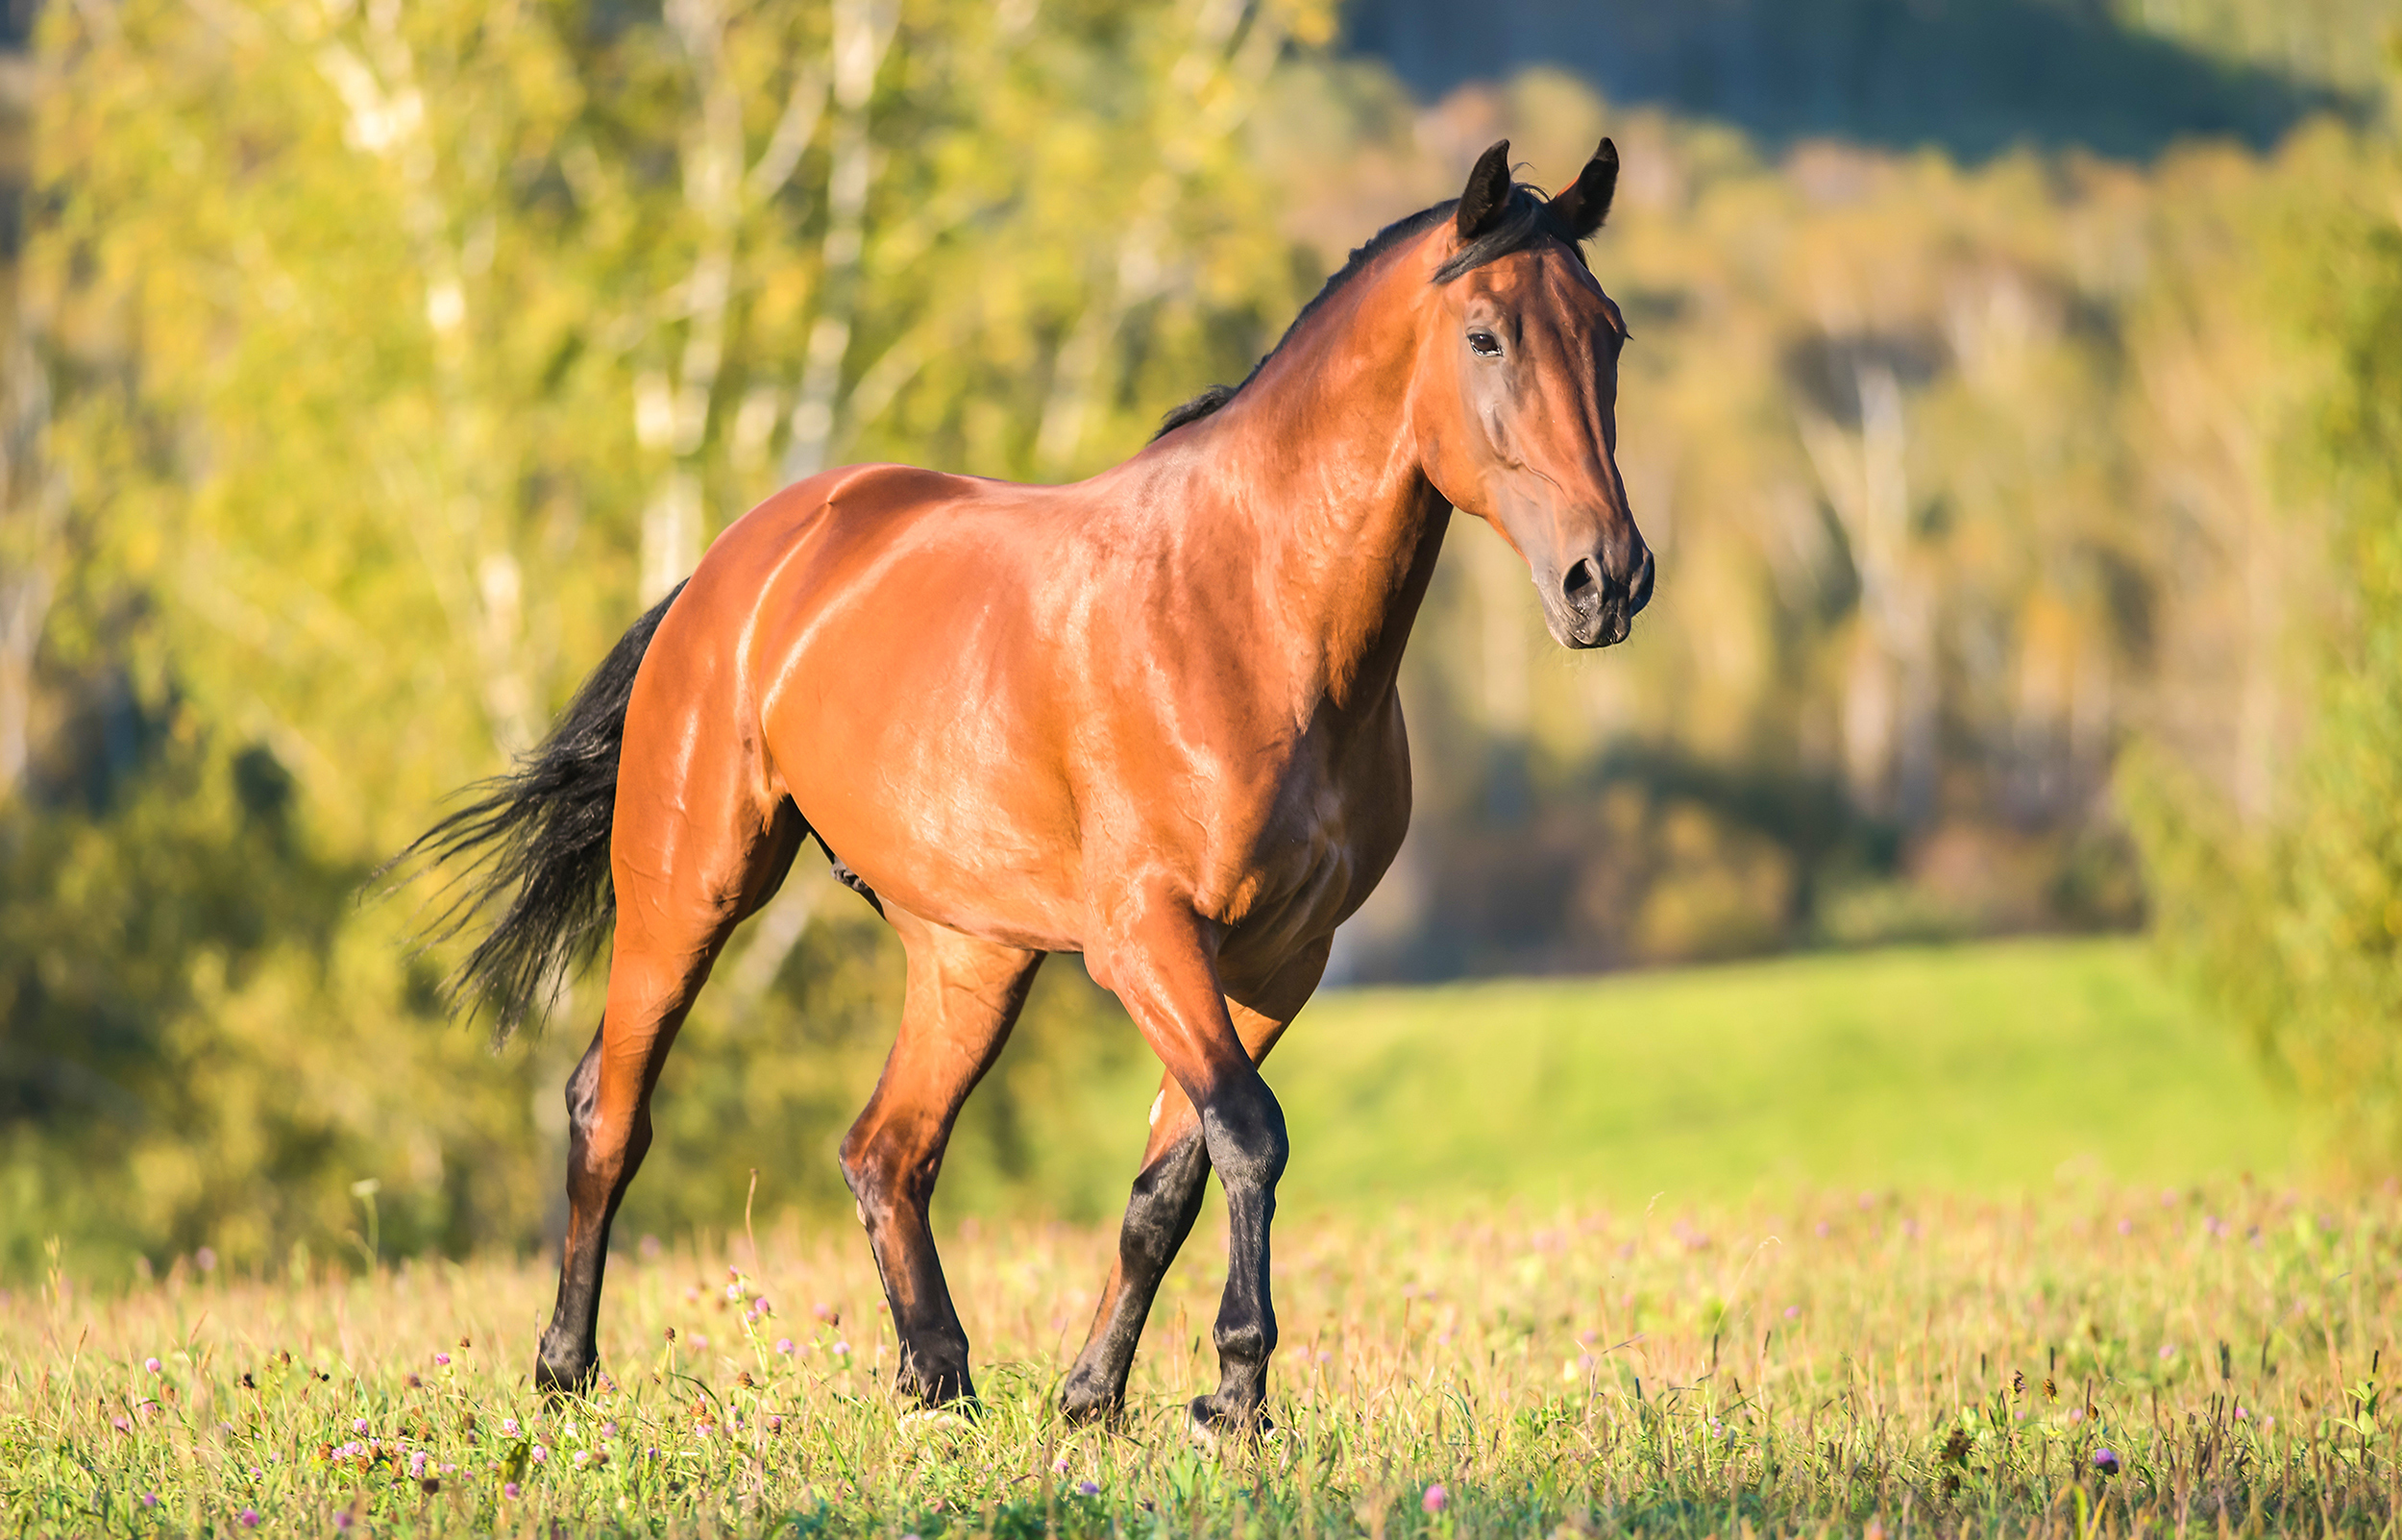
(1149, 718)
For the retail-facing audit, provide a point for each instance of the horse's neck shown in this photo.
(1325, 504)
(1350, 572)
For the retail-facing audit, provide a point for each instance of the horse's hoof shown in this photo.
(1085, 1411)
(1211, 1428)
(556, 1381)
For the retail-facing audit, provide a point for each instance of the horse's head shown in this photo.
(1515, 392)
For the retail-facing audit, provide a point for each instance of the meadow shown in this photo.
(1898, 1277)
(2195, 1360)
(2005, 1067)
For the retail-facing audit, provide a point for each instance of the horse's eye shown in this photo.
(1486, 344)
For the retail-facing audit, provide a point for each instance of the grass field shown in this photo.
(1941, 1243)
(2199, 1361)
(1997, 1068)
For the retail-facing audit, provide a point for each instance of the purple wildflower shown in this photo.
(508, 1489)
(358, 1424)
(149, 1500)
(541, 1456)
(152, 1364)
(508, 1427)
(784, 1345)
(2106, 1462)
(248, 1518)
(441, 1360)
(1437, 1498)
(1089, 1488)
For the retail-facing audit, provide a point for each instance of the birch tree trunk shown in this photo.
(32, 512)
(863, 35)
(1892, 687)
(1217, 90)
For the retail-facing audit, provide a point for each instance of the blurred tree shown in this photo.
(2281, 886)
(373, 362)
(399, 352)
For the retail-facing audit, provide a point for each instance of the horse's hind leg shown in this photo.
(696, 848)
(963, 997)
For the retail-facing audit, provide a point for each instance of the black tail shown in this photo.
(538, 838)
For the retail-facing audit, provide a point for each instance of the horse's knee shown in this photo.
(885, 1168)
(1246, 1138)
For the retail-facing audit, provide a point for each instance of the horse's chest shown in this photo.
(1327, 835)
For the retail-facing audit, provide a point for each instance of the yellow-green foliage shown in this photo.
(1961, 476)
(2285, 897)
(399, 353)
(2194, 1361)
(376, 363)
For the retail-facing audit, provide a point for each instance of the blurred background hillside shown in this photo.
(2015, 405)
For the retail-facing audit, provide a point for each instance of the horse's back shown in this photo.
(899, 685)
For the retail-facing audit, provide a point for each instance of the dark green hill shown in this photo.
(1973, 77)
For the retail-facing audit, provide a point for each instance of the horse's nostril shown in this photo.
(1582, 575)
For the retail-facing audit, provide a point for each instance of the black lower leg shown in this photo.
(1247, 1144)
(933, 1344)
(1159, 1215)
(569, 1355)
(933, 1363)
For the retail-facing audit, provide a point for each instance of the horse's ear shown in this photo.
(1582, 209)
(1487, 194)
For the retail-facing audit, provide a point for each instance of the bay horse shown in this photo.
(1149, 718)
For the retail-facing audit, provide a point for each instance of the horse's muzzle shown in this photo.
(1593, 607)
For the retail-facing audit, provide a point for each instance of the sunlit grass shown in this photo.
(2174, 1359)
(1990, 1069)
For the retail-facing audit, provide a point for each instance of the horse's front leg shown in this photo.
(1162, 963)
(1167, 1199)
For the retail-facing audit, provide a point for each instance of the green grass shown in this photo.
(1994, 1069)
(2105, 1363)
(1889, 1245)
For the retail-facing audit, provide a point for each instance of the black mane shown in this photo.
(1526, 222)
